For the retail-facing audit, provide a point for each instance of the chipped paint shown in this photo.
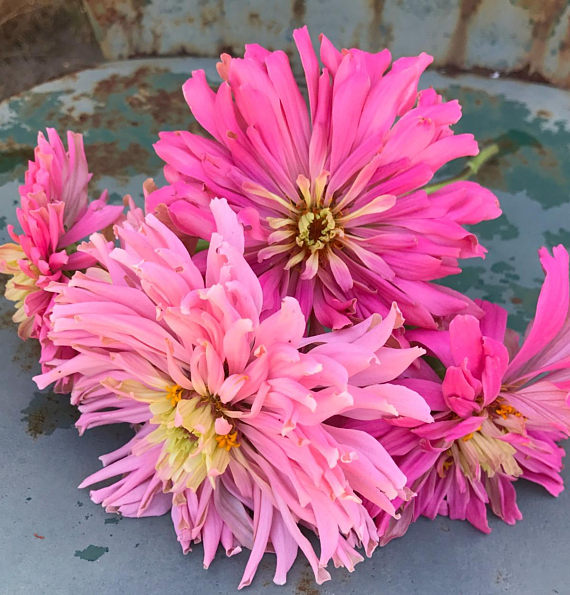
(91, 553)
(114, 520)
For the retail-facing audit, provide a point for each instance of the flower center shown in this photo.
(307, 227)
(316, 228)
(196, 430)
(484, 448)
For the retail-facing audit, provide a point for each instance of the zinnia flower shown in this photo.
(499, 411)
(54, 215)
(331, 195)
(239, 441)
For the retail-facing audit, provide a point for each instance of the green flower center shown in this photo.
(316, 228)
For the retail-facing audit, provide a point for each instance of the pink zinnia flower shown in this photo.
(239, 441)
(332, 195)
(54, 215)
(499, 411)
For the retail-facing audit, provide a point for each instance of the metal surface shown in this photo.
(527, 37)
(54, 540)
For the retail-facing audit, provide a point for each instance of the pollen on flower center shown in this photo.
(503, 410)
(227, 441)
(316, 229)
(174, 394)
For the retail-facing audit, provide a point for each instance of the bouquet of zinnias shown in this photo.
(264, 323)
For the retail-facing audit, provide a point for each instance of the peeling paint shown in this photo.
(113, 520)
(91, 553)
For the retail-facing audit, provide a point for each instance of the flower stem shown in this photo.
(471, 168)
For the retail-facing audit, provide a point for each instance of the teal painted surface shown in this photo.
(120, 108)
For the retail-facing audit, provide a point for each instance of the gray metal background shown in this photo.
(46, 524)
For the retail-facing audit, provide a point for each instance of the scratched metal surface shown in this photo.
(528, 37)
(54, 540)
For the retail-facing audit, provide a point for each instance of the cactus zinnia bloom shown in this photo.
(54, 215)
(239, 441)
(331, 194)
(499, 411)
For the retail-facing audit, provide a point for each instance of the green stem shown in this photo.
(201, 245)
(471, 168)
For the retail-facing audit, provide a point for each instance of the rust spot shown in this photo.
(516, 300)
(544, 113)
(14, 155)
(27, 355)
(379, 35)
(108, 159)
(548, 160)
(544, 14)
(118, 83)
(166, 109)
(105, 15)
(211, 15)
(306, 584)
(254, 19)
(457, 45)
(299, 9)
(169, 108)
(39, 536)
(6, 321)
(9, 145)
(563, 72)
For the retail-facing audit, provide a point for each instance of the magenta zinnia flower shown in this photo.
(332, 195)
(54, 215)
(239, 441)
(499, 411)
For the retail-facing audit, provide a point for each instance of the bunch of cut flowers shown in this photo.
(269, 327)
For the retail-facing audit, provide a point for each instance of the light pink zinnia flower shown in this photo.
(332, 195)
(54, 215)
(237, 442)
(499, 411)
